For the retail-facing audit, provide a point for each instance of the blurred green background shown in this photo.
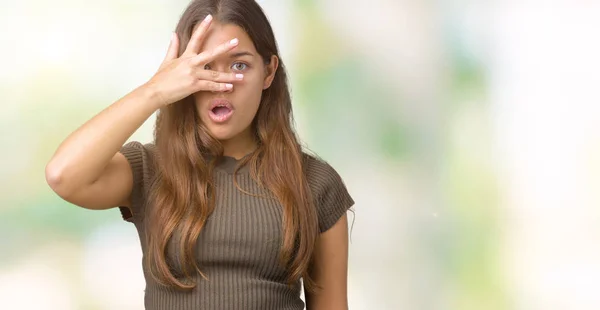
(468, 133)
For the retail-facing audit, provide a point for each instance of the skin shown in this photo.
(87, 170)
(330, 269)
(236, 133)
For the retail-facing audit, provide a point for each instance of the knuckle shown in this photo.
(179, 64)
(186, 54)
(191, 82)
(200, 59)
(205, 86)
(188, 71)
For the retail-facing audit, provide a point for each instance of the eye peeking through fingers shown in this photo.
(237, 66)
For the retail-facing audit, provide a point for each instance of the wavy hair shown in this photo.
(183, 172)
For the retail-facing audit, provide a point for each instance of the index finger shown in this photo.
(208, 56)
(193, 46)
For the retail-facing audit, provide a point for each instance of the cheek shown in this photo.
(199, 98)
(250, 93)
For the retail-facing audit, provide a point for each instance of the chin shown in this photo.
(222, 134)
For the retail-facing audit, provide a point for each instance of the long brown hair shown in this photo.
(183, 175)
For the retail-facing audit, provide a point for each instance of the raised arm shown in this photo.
(87, 169)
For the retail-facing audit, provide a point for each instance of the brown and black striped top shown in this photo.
(239, 246)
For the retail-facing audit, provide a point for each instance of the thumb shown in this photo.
(173, 48)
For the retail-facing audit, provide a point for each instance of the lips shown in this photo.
(220, 110)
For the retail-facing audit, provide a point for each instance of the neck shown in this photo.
(239, 146)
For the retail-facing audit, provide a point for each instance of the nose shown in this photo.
(223, 70)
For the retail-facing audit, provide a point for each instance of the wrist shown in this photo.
(151, 96)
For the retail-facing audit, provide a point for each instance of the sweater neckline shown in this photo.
(228, 164)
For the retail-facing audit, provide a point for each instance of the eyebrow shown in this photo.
(240, 54)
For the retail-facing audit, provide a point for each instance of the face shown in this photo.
(244, 99)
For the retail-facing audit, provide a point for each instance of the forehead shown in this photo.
(221, 33)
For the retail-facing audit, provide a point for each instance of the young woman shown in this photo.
(231, 213)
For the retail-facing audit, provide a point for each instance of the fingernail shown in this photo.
(234, 41)
(229, 86)
(239, 76)
(208, 18)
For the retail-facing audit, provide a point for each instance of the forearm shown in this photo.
(81, 157)
(324, 301)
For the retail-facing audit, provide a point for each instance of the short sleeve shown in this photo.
(330, 194)
(140, 158)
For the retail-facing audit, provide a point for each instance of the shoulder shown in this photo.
(140, 156)
(329, 193)
(319, 172)
(137, 147)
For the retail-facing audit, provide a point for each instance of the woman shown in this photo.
(230, 212)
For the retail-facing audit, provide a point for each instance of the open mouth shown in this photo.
(221, 111)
